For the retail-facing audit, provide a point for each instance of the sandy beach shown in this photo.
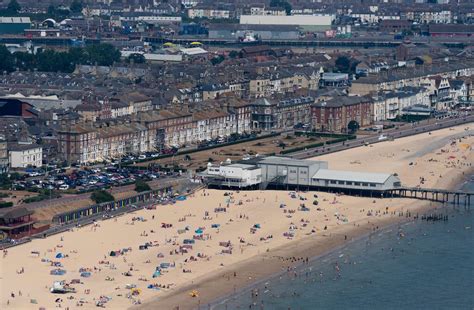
(216, 242)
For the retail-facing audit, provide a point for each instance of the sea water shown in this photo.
(417, 265)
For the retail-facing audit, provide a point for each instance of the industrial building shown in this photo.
(284, 172)
(321, 21)
(258, 32)
(14, 25)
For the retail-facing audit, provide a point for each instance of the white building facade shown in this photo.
(23, 156)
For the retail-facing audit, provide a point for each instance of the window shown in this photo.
(348, 183)
(332, 182)
(365, 184)
(341, 182)
(373, 184)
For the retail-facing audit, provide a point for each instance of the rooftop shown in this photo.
(351, 176)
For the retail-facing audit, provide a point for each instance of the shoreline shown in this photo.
(233, 252)
(390, 225)
(269, 267)
(262, 262)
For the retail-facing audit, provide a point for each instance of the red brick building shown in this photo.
(334, 115)
(14, 107)
(16, 223)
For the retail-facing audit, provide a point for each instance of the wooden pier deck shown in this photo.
(433, 194)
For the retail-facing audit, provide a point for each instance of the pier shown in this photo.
(439, 195)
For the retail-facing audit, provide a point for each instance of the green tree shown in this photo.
(7, 61)
(136, 58)
(13, 6)
(76, 6)
(281, 4)
(353, 126)
(102, 196)
(141, 186)
(217, 60)
(343, 64)
(233, 54)
(102, 54)
(51, 9)
(24, 61)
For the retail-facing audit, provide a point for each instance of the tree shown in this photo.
(233, 54)
(141, 186)
(101, 54)
(24, 61)
(7, 60)
(281, 4)
(217, 60)
(343, 64)
(13, 6)
(136, 58)
(102, 196)
(76, 6)
(353, 126)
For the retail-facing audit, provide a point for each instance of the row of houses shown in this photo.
(333, 111)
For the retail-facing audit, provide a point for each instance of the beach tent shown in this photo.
(256, 226)
(198, 231)
(57, 272)
(153, 287)
(112, 253)
(215, 225)
(85, 274)
(181, 198)
(156, 274)
(59, 255)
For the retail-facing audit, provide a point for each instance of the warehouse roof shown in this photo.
(279, 160)
(351, 176)
(15, 20)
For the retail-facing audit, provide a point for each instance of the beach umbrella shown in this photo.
(198, 231)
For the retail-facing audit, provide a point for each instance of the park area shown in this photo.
(271, 145)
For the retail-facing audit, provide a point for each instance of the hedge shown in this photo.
(6, 204)
(319, 144)
(301, 148)
(322, 134)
